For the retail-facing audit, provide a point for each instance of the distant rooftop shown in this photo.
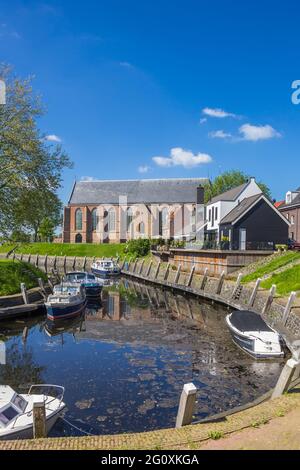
(230, 195)
(147, 191)
(240, 209)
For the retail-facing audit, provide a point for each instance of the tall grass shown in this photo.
(13, 273)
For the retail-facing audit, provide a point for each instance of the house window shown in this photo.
(129, 218)
(292, 219)
(112, 220)
(288, 216)
(209, 215)
(94, 219)
(78, 219)
(216, 213)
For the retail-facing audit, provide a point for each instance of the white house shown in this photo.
(221, 205)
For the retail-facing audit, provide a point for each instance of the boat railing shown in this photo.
(59, 388)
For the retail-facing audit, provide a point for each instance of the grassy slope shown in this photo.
(68, 249)
(13, 273)
(274, 264)
(286, 282)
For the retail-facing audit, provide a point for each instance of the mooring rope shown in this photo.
(75, 427)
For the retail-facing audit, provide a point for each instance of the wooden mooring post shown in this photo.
(190, 278)
(74, 263)
(84, 264)
(55, 262)
(39, 420)
(204, 279)
(177, 275)
(21, 257)
(186, 405)
(24, 293)
(220, 283)
(288, 308)
(65, 264)
(42, 287)
(269, 300)
(25, 334)
(128, 266)
(254, 293)
(29, 258)
(37, 261)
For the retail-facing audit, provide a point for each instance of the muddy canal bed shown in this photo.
(124, 364)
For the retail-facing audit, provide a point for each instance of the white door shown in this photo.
(243, 239)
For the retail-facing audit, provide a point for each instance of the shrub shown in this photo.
(138, 248)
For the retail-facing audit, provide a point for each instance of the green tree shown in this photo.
(47, 230)
(28, 162)
(229, 180)
(37, 210)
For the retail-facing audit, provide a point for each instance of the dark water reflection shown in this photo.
(125, 364)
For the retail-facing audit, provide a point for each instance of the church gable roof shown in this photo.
(147, 191)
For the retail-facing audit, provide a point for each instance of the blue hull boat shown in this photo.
(105, 268)
(67, 301)
(92, 286)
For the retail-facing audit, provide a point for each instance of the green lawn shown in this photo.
(286, 282)
(13, 273)
(274, 264)
(68, 249)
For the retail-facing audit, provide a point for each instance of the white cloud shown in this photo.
(217, 113)
(203, 120)
(88, 178)
(127, 65)
(53, 138)
(219, 135)
(180, 157)
(143, 169)
(255, 133)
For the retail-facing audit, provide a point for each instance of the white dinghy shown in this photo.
(252, 334)
(16, 410)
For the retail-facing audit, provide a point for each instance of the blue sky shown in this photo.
(205, 86)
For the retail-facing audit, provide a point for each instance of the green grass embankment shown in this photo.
(286, 281)
(13, 273)
(68, 249)
(276, 263)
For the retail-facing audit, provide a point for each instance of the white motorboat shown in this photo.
(252, 334)
(16, 410)
(105, 267)
(92, 285)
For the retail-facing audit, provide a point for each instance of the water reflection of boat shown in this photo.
(91, 284)
(55, 328)
(67, 301)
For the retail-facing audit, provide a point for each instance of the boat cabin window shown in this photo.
(8, 414)
(91, 277)
(19, 402)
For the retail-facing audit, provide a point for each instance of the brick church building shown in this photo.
(116, 211)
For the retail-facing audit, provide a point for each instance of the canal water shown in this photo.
(124, 364)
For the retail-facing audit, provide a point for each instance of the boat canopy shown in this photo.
(248, 321)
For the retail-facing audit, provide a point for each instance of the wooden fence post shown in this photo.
(220, 283)
(254, 293)
(204, 279)
(177, 274)
(55, 262)
(46, 263)
(237, 288)
(167, 272)
(84, 264)
(189, 282)
(288, 307)
(24, 293)
(149, 269)
(186, 405)
(269, 300)
(134, 266)
(285, 378)
(141, 267)
(157, 270)
(65, 264)
(74, 263)
(39, 420)
(37, 261)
